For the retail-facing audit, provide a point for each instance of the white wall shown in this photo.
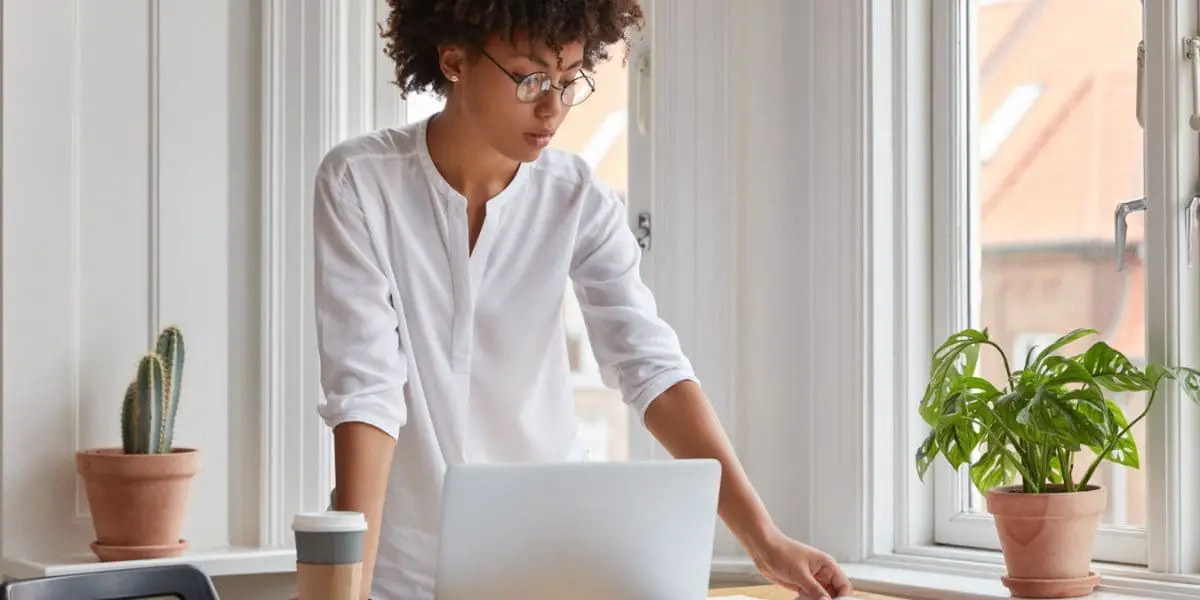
(116, 213)
(130, 187)
(802, 315)
(116, 108)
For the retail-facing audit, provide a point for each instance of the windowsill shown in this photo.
(945, 573)
(215, 563)
(926, 576)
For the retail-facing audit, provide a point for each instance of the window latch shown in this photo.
(1123, 210)
(1191, 51)
(642, 232)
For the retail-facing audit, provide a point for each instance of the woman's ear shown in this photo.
(453, 60)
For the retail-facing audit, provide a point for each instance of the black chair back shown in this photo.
(184, 582)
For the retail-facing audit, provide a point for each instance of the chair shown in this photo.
(172, 581)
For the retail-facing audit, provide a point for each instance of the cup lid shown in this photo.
(331, 521)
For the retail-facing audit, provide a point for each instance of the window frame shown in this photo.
(921, 531)
(956, 142)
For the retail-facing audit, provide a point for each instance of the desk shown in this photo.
(770, 592)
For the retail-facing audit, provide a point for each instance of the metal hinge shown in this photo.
(642, 231)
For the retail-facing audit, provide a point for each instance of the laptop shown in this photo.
(638, 530)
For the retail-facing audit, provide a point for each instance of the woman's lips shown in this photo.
(541, 139)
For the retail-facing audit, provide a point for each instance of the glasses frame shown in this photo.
(519, 81)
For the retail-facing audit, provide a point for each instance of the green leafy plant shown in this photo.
(1033, 423)
(152, 398)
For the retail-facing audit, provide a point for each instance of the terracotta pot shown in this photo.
(1047, 539)
(138, 501)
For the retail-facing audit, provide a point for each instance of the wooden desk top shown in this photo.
(770, 592)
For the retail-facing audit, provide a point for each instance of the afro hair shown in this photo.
(416, 28)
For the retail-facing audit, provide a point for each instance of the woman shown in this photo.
(442, 249)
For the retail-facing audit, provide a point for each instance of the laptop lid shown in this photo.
(580, 530)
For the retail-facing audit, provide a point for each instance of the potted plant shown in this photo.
(138, 493)
(1021, 435)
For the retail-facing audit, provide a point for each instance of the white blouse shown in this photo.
(459, 355)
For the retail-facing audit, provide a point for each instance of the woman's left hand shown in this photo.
(803, 569)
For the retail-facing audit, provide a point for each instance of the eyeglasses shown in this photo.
(535, 86)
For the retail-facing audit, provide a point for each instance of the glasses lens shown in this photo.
(533, 87)
(577, 91)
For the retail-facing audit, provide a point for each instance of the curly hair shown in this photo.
(415, 29)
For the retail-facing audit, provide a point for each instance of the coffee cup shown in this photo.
(329, 547)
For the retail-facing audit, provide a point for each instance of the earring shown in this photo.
(454, 78)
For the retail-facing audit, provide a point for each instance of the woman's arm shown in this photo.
(363, 367)
(683, 421)
(362, 460)
(641, 354)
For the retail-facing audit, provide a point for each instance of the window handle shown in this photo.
(1141, 83)
(1193, 211)
(641, 91)
(1123, 210)
(1191, 51)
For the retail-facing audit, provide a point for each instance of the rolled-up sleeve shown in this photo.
(637, 352)
(363, 367)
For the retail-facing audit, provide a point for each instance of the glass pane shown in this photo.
(595, 130)
(1058, 147)
(421, 106)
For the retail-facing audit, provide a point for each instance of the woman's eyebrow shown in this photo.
(543, 63)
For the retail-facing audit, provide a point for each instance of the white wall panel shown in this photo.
(193, 240)
(115, 215)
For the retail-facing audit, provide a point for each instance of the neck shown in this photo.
(469, 165)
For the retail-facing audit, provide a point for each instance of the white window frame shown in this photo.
(326, 79)
(956, 271)
(914, 523)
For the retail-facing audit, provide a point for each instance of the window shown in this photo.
(1053, 147)
(1005, 119)
(597, 131)
(1053, 143)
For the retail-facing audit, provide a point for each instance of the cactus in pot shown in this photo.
(152, 398)
(138, 493)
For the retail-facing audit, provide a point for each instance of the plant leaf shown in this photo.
(1188, 379)
(1112, 370)
(926, 454)
(956, 435)
(1058, 344)
(1125, 452)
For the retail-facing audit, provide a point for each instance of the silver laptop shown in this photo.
(578, 531)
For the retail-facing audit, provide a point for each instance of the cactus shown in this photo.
(127, 424)
(152, 398)
(170, 349)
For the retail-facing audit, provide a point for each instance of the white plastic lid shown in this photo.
(329, 521)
